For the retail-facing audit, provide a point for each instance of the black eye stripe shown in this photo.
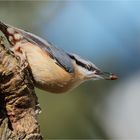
(80, 63)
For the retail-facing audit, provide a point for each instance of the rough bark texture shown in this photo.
(18, 101)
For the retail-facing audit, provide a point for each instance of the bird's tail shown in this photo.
(3, 28)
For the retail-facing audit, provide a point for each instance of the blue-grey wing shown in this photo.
(58, 54)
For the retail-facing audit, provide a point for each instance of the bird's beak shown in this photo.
(105, 75)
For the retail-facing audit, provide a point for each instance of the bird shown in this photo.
(53, 69)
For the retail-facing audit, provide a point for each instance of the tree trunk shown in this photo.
(18, 102)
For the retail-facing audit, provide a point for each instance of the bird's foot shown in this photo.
(16, 39)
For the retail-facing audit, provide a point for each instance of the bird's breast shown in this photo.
(48, 75)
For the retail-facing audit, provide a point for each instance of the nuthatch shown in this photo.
(52, 69)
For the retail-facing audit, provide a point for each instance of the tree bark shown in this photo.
(18, 102)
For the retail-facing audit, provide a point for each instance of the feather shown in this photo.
(58, 54)
(83, 62)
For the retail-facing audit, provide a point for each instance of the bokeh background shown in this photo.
(108, 33)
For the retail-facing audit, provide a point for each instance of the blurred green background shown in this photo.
(107, 33)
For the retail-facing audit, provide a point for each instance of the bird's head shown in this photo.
(86, 70)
